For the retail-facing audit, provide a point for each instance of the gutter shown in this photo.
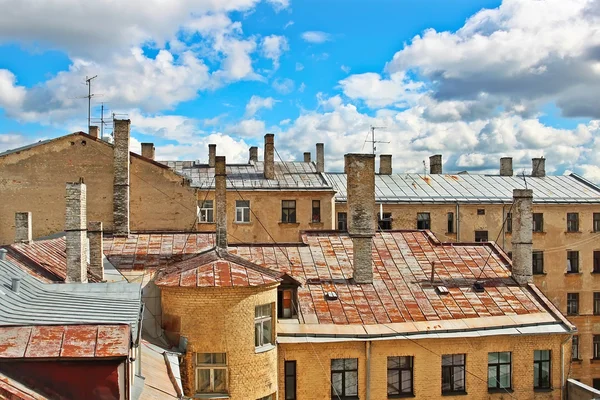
(562, 366)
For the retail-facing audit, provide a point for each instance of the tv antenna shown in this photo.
(88, 82)
(373, 141)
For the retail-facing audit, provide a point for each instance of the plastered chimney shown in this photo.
(385, 164)
(76, 232)
(307, 156)
(121, 177)
(221, 201)
(93, 131)
(361, 209)
(435, 164)
(538, 167)
(253, 154)
(522, 236)
(320, 157)
(269, 156)
(96, 243)
(23, 227)
(212, 153)
(148, 150)
(506, 166)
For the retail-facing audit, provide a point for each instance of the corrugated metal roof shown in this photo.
(39, 303)
(289, 175)
(472, 188)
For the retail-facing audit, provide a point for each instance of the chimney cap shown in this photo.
(269, 135)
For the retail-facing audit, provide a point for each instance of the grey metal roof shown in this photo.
(39, 303)
(29, 146)
(289, 175)
(472, 188)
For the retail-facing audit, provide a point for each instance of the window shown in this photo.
(596, 383)
(575, 348)
(499, 371)
(342, 224)
(538, 222)
(344, 378)
(385, 223)
(596, 223)
(481, 236)
(423, 221)
(211, 373)
(596, 303)
(400, 376)
(538, 262)
(242, 211)
(596, 347)
(541, 369)
(290, 380)
(572, 303)
(453, 373)
(263, 328)
(572, 222)
(572, 262)
(206, 211)
(316, 211)
(509, 254)
(480, 211)
(597, 261)
(288, 211)
(285, 303)
(450, 222)
(508, 222)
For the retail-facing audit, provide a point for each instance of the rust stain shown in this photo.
(455, 177)
(427, 179)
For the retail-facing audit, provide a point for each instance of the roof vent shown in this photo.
(478, 287)
(16, 284)
(442, 290)
(3, 254)
(331, 296)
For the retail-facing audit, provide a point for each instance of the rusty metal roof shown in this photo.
(472, 188)
(289, 175)
(159, 373)
(64, 341)
(216, 269)
(11, 387)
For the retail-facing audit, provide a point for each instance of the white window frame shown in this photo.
(206, 212)
(244, 211)
(260, 317)
(212, 367)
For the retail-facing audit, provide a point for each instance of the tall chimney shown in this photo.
(435, 164)
(346, 164)
(522, 236)
(96, 243)
(385, 164)
(93, 131)
(148, 150)
(221, 201)
(269, 156)
(307, 156)
(320, 157)
(23, 227)
(76, 230)
(212, 153)
(538, 167)
(253, 154)
(506, 166)
(121, 129)
(361, 207)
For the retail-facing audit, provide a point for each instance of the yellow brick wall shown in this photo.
(313, 363)
(221, 320)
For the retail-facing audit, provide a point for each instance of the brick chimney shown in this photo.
(253, 154)
(385, 164)
(76, 231)
(361, 209)
(96, 243)
(212, 153)
(269, 156)
(522, 236)
(148, 150)
(320, 157)
(307, 156)
(121, 134)
(538, 167)
(93, 131)
(23, 227)
(435, 164)
(221, 201)
(506, 166)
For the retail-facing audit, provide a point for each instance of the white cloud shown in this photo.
(256, 103)
(288, 24)
(279, 5)
(299, 66)
(273, 47)
(301, 87)
(9, 141)
(285, 121)
(283, 86)
(315, 36)
(247, 128)
(11, 95)
(379, 92)
(345, 68)
(236, 151)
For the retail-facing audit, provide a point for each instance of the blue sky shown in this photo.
(472, 80)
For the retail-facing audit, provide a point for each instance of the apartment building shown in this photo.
(476, 208)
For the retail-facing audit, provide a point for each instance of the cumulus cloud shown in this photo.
(379, 92)
(284, 86)
(11, 95)
(236, 150)
(247, 128)
(256, 103)
(315, 36)
(273, 47)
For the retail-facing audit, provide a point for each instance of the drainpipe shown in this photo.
(562, 366)
(368, 351)
(503, 227)
(457, 222)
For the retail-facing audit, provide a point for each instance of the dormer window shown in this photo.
(287, 294)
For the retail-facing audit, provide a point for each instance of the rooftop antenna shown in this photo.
(88, 82)
(373, 141)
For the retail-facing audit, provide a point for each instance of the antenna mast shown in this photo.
(88, 82)
(373, 141)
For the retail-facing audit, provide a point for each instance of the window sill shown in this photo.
(242, 222)
(450, 233)
(573, 273)
(540, 273)
(572, 315)
(264, 349)
(454, 393)
(543, 390)
(567, 232)
(289, 224)
(594, 360)
(401, 396)
(539, 232)
(507, 390)
(576, 360)
(206, 222)
(314, 223)
(595, 272)
(211, 396)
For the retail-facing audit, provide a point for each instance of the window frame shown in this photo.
(596, 222)
(486, 237)
(316, 217)
(481, 211)
(575, 347)
(538, 365)
(293, 376)
(508, 222)
(288, 217)
(573, 222)
(260, 319)
(572, 303)
(497, 365)
(211, 367)
(343, 372)
(572, 255)
(411, 368)
(596, 261)
(537, 258)
(206, 212)
(595, 347)
(281, 293)
(384, 223)
(423, 223)
(342, 221)
(596, 300)
(243, 207)
(452, 368)
(450, 220)
(536, 228)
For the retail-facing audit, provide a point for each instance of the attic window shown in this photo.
(442, 290)
(481, 211)
(331, 296)
(478, 287)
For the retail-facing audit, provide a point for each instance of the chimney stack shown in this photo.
(121, 180)
(385, 164)
(96, 243)
(23, 227)
(522, 236)
(76, 230)
(320, 157)
(346, 164)
(361, 209)
(212, 153)
(538, 167)
(506, 166)
(307, 156)
(269, 156)
(221, 201)
(93, 131)
(253, 154)
(148, 150)
(435, 164)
